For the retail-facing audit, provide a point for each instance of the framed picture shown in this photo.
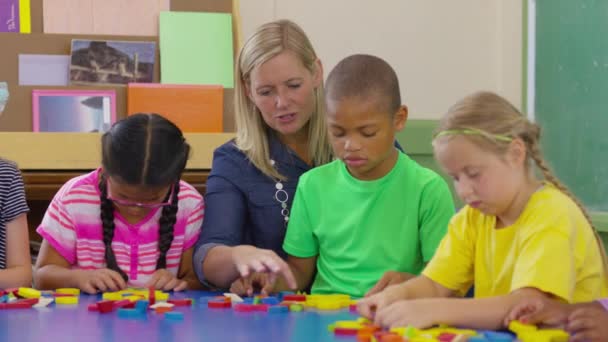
(73, 110)
(111, 62)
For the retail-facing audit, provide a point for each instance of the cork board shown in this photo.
(17, 116)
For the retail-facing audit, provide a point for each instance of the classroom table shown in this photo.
(65, 323)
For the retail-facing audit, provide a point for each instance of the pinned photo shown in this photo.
(73, 110)
(3, 96)
(111, 62)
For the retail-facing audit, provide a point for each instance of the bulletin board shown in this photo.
(16, 121)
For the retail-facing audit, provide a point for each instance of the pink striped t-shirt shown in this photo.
(72, 226)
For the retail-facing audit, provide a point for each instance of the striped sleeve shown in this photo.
(193, 227)
(58, 229)
(12, 196)
(194, 212)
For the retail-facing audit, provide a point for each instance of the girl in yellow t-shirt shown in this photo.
(518, 237)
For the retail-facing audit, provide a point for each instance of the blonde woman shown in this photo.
(281, 134)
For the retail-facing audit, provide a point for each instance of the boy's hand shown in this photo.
(544, 311)
(256, 282)
(389, 278)
(369, 305)
(166, 281)
(248, 259)
(100, 280)
(588, 322)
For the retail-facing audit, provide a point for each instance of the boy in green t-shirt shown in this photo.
(372, 216)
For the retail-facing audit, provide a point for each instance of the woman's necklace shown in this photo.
(281, 196)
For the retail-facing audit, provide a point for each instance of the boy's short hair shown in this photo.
(366, 77)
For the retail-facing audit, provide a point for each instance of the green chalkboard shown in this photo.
(571, 94)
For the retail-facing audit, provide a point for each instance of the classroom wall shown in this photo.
(440, 49)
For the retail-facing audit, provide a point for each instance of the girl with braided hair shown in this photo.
(520, 236)
(132, 222)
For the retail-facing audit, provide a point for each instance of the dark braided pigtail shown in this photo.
(150, 151)
(166, 222)
(107, 220)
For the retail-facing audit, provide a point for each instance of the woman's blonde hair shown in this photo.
(252, 132)
(491, 122)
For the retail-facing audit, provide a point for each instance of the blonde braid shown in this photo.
(536, 155)
(550, 177)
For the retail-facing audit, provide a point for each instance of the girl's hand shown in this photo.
(166, 281)
(256, 282)
(417, 313)
(588, 322)
(541, 310)
(368, 306)
(249, 259)
(100, 280)
(389, 278)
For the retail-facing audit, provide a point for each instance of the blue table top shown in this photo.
(75, 323)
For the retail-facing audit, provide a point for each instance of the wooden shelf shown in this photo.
(82, 151)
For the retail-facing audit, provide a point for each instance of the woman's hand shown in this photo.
(249, 259)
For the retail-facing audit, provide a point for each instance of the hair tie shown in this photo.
(472, 131)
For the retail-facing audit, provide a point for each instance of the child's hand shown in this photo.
(588, 322)
(166, 281)
(417, 313)
(248, 259)
(389, 278)
(543, 311)
(256, 282)
(369, 305)
(100, 280)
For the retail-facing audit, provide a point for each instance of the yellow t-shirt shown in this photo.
(550, 247)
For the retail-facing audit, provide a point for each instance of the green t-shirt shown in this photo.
(361, 229)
